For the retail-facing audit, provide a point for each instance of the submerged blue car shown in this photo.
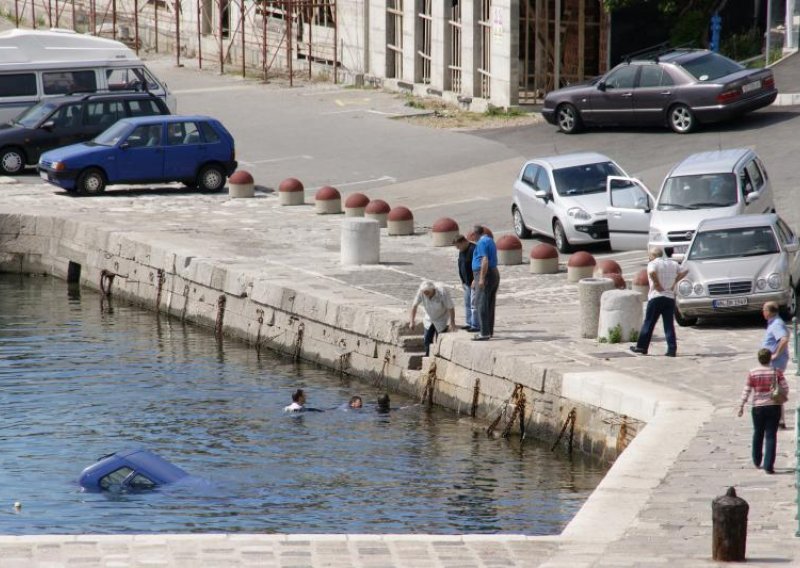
(130, 470)
(195, 150)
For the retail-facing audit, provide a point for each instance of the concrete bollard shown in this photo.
(606, 267)
(360, 241)
(443, 232)
(641, 284)
(590, 291)
(620, 312)
(291, 192)
(579, 266)
(240, 185)
(328, 201)
(544, 259)
(509, 250)
(355, 204)
(400, 222)
(729, 527)
(378, 209)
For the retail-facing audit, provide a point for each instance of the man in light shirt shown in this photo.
(440, 313)
(663, 274)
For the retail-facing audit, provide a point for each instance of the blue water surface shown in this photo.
(82, 376)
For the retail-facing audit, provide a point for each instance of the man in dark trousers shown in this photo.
(486, 282)
(466, 250)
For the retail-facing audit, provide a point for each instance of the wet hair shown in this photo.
(297, 395)
(764, 356)
(355, 399)
(383, 403)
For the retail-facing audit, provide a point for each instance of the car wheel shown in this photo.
(91, 182)
(568, 119)
(560, 236)
(681, 119)
(788, 311)
(211, 178)
(12, 161)
(519, 225)
(684, 321)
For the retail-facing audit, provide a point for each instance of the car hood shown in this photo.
(739, 268)
(686, 219)
(571, 89)
(593, 203)
(83, 149)
(9, 130)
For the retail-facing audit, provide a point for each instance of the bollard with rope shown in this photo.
(517, 399)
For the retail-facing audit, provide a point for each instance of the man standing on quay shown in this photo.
(466, 250)
(776, 339)
(485, 284)
(663, 274)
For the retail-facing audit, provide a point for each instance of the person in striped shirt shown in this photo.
(766, 412)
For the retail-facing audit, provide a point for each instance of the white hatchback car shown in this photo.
(565, 197)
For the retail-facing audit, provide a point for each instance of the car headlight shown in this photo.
(58, 166)
(698, 289)
(656, 235)
(578, 213)
(685, 288)
(774, 281)
(761, 283)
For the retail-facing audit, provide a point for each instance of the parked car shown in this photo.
(60, 121)
(680, 88)
(736, 264)
(564, 197)
(721, 183)
(195, 150)
(130, 470)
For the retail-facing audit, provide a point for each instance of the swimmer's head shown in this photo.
(383, 403)
(356, 402)
(299, 396)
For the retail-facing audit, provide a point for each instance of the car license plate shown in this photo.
(43, 175)
(751, 86)
(729, 302)
(680, 249)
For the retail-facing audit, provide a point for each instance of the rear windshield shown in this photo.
(733, 243)
(587, 178)
(711, 66)
(698, 192)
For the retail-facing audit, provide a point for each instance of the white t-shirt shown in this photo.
(437, 307)
(294, 407)
(667, 271)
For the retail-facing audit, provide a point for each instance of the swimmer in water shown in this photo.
(383, 403)
(356, 402)
(298, 402)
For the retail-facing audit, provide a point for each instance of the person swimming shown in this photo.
(299, 403)
(356, 402)
(383, 403)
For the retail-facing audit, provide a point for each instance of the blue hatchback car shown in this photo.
(195, 150)
(130, 470)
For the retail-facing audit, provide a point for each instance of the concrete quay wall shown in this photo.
(340, 329)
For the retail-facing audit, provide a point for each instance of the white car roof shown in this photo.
(59, 46)
(576, 159)
(737, 222)
(714, 162)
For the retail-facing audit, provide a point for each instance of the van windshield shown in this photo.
(583, 179)
(112, 135)
(705, 191)
(32, 117)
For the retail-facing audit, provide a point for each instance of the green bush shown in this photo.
(615, 334)
(742, 46)
(690, 29)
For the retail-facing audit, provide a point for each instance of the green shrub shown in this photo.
(742, 46)
(615, 334)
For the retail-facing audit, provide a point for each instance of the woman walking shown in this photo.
(766, 410)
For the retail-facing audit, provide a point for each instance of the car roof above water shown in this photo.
(714, 162)
(576, 159)
(737, 222)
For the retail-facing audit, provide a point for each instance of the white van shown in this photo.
(720, 183)
(35, 64)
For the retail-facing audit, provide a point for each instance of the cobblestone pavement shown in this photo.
(537, 318)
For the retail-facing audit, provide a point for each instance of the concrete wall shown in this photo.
(343, 333)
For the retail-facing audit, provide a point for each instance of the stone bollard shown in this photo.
(291, 192)
(606, 267)
(355, 204)
(579, 266)
(241, 184)
(641, 284)
(619, 281)
(400, 222)
(509, 250)
(328, 201)
(729, 532)
(444, 230)
(589, 292)
(378, 209)
(544, 259)
(360, 241)
(621, 308)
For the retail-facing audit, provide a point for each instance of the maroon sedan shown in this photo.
(680, 88)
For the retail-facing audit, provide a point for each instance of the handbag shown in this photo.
(776, 391)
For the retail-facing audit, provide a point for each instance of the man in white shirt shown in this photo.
(663, 274)
(298, 400)
(440, 313)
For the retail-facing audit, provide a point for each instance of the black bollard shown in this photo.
(729, 517)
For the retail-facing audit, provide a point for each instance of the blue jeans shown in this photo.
(765, 433)
(664, 308)
(485, 301)
(430, 336)
(470, 316)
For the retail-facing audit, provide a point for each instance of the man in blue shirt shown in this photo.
(485, 283)
(776, 339)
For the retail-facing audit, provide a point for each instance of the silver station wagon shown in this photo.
(736, 264)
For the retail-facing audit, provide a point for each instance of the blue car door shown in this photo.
(140, 156)
(184, 151)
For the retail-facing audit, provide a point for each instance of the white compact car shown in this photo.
(564, 197)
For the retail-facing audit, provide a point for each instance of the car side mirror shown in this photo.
(601, 86)
(792, 247)
(542, 194)
(752, 196)
(48, 125)
(124, 145)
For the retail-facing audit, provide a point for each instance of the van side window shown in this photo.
(18, 85)
(529, 175)
(755, 175)
(143, 108)
(130, 78)
(65, 82)
(787, 236)
(543, 181)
